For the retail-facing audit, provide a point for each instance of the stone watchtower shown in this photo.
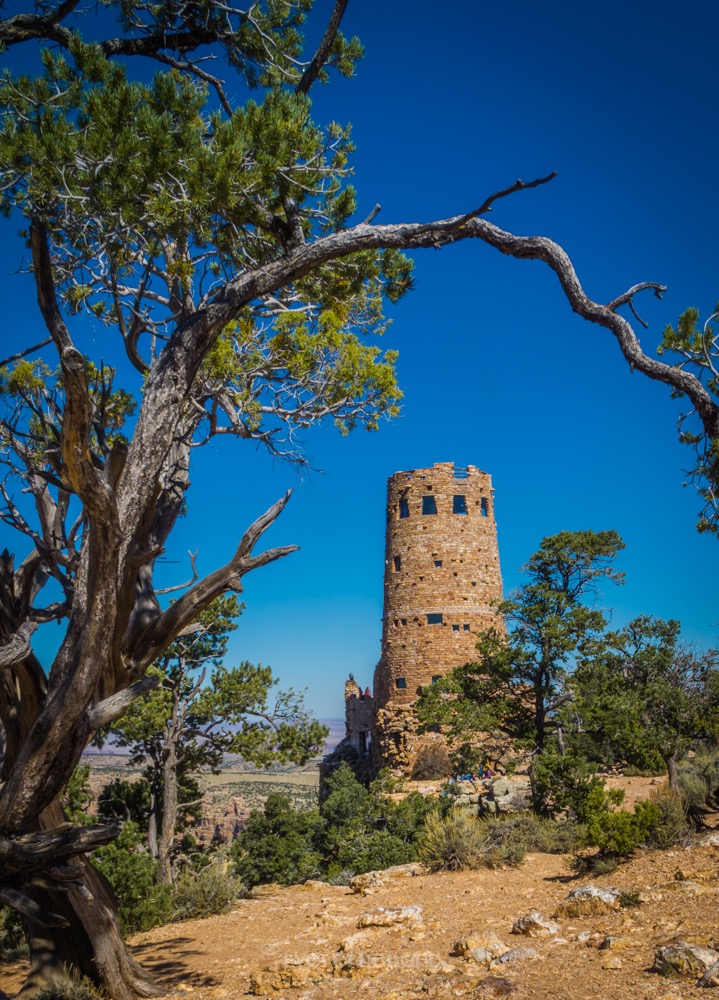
(441, 577)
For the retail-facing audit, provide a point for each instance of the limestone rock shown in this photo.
(515, 955)
(611, 942)
(383, 917)
(507, 795)
(711, 839)
(588, 901)
(359, 963)
(369, 882)
(613, 964)
(710, 978)
(305, 971)
(354, 941)
(684, 958)
(535, 924)
(480, 946)
(479, 939)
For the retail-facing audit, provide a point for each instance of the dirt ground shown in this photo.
(214, 959)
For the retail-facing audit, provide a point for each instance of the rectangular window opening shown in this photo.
(455, 628)
(401, 682)
(436, 677)
(404, 507)
(429, 504)
(459, 504)
(466, 628)
(485, 507)
(434, 619)
(438, 563)
(397, 563)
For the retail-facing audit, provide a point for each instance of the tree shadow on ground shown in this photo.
(564, 879)
(164, 960)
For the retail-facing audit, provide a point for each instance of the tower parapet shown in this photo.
(441, 580)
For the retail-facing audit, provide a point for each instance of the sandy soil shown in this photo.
(213, 959)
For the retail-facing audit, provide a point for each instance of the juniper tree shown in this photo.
(644, 695)
(518, 680)
(217, 243)
(201, 710)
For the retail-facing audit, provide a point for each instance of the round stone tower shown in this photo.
(440, 579)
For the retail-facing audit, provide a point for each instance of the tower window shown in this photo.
(455, 628)
(459, 504)
(429, 504)
(438, 563)
(466, 628)
(404, 507)
(400, 682)
(436, 677)
(397, 563)
(485, 507)
(434, 619)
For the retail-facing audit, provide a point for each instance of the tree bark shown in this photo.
(91, 942)
(168, 822)
(673, 772)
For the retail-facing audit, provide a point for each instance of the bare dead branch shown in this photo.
(627, 298)
(24, 354)
(373, 215)
(321, 55)
(518, 185)
(183, 586)
(18, 646)
(17, 900)
(171, 623)
(116, 705)
(23, 27)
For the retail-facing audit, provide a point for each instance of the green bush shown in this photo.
(74, 987)
(537, 833)
(664, 818)
(214, 889)
(132, 873)
(12, 938)
(452, 842)
(569, 782)
(699, 780)
(279, 844)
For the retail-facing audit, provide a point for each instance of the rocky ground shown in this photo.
(322, 942)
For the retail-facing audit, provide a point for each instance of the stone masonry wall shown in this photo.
(441, 575)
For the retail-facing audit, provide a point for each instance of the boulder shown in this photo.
(515, 955)
(535, 924)
(369, 882)
(480, 946)
(611, 942)
(383, 917)
(684, 958)
(588, 901)
(613, 964)
(507, 795)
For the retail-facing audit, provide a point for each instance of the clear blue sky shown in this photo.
(621, 99)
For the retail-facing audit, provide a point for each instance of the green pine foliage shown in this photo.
(132, 873)
(357, 830)
(280, 844)
(696, 348)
